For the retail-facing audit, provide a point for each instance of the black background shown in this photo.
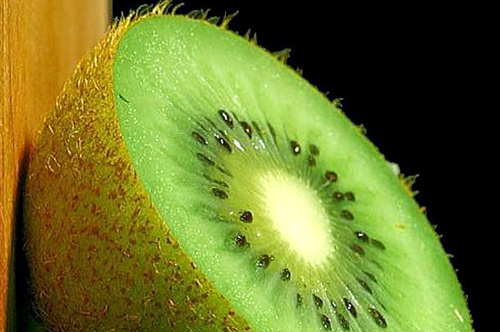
(413, 76)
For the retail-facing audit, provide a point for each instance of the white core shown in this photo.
(298, 215)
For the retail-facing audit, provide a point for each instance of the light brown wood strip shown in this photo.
(41, 41)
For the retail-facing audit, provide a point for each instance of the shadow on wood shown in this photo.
(40, 45)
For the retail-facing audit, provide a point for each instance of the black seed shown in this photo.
(223, 133)
(241, 240)
(236, 117)
(342, 321)
(317, 301)
(295, 147)
(346, 215)
(263, 261)
(219, 193)
(313, 149)
(123, 98)
(222, 141)
(246, 216)
(365, 285)
(382, 305)
(257, 128)
(221, 183)
(299, 300)
(226, 118)
(377, 264)
(204, 159)
(286, 274)
(201, 125)
(331, 176)
(311, 161)
(377, 317)
(357, 249)
(325, 321)
(214, 126)
(225, 171)
(338, 196)
(371, 276)
(199, 138)
(350, 196)
(361, 236)
(378, 244)
(350, 307)
(334, 306)
(246, 128)
(272, 131)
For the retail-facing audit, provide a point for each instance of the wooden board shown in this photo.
(41, 41)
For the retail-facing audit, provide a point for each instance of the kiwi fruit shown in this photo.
(189, 180)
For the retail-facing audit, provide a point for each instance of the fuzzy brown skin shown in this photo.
(100, 256)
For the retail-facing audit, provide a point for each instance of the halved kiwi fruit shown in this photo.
(190, 181)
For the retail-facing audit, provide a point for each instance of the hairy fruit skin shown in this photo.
(100, 256)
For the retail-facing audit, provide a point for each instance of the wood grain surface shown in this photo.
(41, 41)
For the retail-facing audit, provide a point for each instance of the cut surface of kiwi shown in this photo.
(190, 181)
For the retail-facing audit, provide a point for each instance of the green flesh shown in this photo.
(172, 76)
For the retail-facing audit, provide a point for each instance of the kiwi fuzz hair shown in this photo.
(102, 256)
(88, 98)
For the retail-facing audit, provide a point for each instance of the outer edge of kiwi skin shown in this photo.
(73, 287)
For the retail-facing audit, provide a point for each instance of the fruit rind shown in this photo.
(74, 239)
